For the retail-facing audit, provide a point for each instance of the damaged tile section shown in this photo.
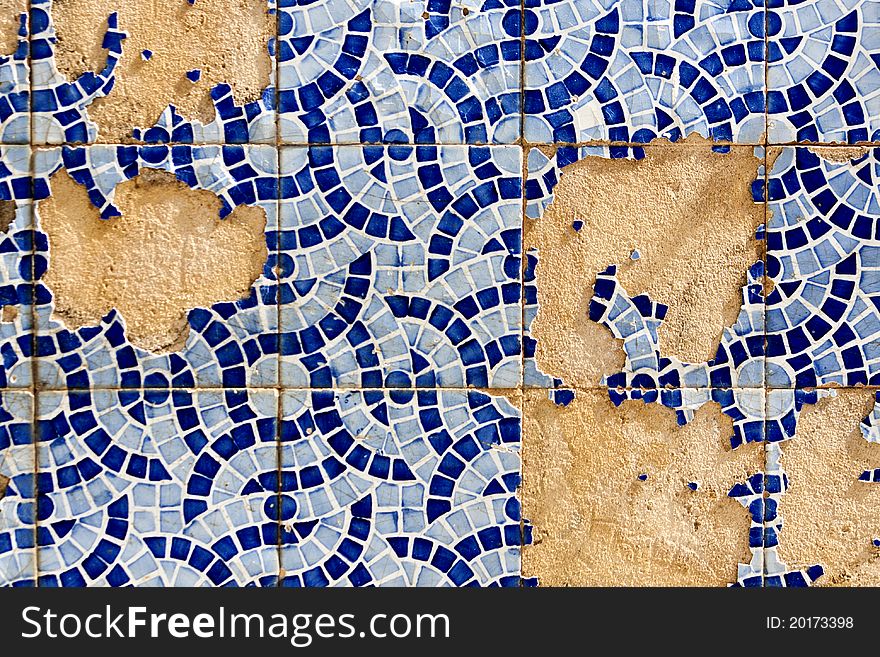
(624, 497)
(225, 40)
(831, 517)
(839, 155)
(680, 223)
(167, 253)
(10, 23)
(7, 214)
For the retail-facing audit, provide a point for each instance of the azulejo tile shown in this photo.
(822, 317)
(157, 487)
(352, 71)
(410, 488)
(400, 266)
(18, 505)
(232, 343)
(631, 71)
(16, 267)
(822, 74)
(60, 106)
(661, 234)
(15, 82)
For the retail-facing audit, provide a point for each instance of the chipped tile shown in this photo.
(608, 492)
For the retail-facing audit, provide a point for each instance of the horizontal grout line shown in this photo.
(577, 388)
(523, 144)
(33, 390)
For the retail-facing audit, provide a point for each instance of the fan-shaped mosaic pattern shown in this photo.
(356, 418)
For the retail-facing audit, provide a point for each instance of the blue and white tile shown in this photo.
(631, 71)
(381, 71)
(400, 266)
(17, 189)
(823, 254)
(231, 344)
(400, 488)
(18, 503)
(158, 488)
(15, 81)
(739, 359)
(823, 76)
(59, 107)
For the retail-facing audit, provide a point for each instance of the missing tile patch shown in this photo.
(8, 314)
(227, 40)
(839, 155)
(10, 23)
(7, 215)
(168, 253)
(596, 523)
(689, 214)
(830, 517)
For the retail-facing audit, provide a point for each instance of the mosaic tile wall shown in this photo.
(356, 419)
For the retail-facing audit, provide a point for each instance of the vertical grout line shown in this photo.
(522, 283)
(33, 387)
(765, 279)
(279, 383)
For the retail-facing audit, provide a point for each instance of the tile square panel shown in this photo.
(825, 502)
(352, 71)
(822, 75)
(84, 340)
(784, 408)
(631, 71)
(822, 254)
(623, 492)
(59, 107)
(17, 267)
(400, 266)
(60, 104)
(157, 487)
(15, 83)
(400, 488)
(638, 272)
(18, 504)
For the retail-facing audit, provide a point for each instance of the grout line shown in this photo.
(527, 145)
(765, 280)
(279, 410)
(341, 389)
(522, 265)
(34, 391)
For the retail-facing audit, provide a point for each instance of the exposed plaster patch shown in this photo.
(168, 253)
(829, 516)
(689, 213)
(226, 39)
(836, 154)
(596, 523)
(8, 314)
(7, 214)
(10, 23)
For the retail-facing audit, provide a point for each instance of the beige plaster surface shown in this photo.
(226, 39)
(7, 214)
(169, 252)
(840, 155)
(829, 517)
(596, 524)
(690, 214)
(10, 22)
